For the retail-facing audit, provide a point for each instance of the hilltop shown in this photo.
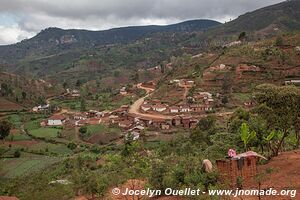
(124, 50)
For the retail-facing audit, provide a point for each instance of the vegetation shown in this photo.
(4, 129)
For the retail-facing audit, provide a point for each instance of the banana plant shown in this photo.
(247, 135)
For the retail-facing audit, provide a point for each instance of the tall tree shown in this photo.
(280, 106)
(5, 127)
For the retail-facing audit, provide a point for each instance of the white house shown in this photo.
(145, 107)
(56, 120)
(40, 108)
(174, 109)
(134, 135)
(123, 91)
(159, 108)
(185, 109)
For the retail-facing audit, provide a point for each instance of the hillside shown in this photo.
(19, 90)
(55, 41)
(97, 54)
(234, 71)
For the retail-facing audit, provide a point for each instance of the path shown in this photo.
(135, 107)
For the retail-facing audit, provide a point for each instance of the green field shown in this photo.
(45, 132)
(14, 167)
(59, 149)
(101, 128)
(19, 137)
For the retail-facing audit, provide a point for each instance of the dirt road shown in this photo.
(135, 107)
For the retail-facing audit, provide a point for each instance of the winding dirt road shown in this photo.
(135, 108)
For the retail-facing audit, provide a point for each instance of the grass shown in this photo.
(242, 96)
(101, 128)
(45, 132)
(35, 124)
(14, 167)
(19, 137)
(15, 120)
(59, 149)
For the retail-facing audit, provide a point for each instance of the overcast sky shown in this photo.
(20, 19)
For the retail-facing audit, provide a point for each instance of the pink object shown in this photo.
(231, 153)
(249, 154)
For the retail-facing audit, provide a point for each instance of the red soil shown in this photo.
(25, 143)
(285, 175)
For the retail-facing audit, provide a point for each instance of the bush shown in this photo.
(17, 154)
(72, 145)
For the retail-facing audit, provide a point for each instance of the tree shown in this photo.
(224, 100)
(17, 154)
(24, 94)
(280, 106)
(82, 105)
(65, 85)
(246, 135)
(5, 127)
(83, 129)
(242, 36)
(279, 41)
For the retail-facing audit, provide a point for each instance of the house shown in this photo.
(138, 128)
(185, 108)
(165, 126)
(234, 43)
(176, 121)
(133, 135)
(79, 117)
(198, 108)
(146, 107)
(56, 120)
(186, 83)
(123, 91)
(159, 108)
(174, 109)
(94, 121)
(105, 113)
(292, 82)
(193, 123)
(92, 113)
(115, 119)
(209, 101)
(203, 96)
(41, 108)
(186, 121)
(125, 124)
(175, 81)
(81, 123)
(75, 93)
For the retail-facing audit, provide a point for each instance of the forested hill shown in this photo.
(54, 40)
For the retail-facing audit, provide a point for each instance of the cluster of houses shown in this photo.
(163, 108)
(73, 93)
(183, 82)
(206, 104)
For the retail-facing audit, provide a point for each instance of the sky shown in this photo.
(22, 19)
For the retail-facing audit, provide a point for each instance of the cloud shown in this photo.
(13, 34)
(31, 16)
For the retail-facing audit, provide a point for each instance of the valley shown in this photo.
(197, 104)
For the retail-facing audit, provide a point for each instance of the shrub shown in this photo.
(17, 154)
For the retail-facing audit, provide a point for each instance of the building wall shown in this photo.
(231, 170)
(54, 122)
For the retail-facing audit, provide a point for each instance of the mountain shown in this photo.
(89, 55)
(54, 40)
(282, 16)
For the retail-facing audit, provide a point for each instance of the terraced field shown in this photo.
(15, 167)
